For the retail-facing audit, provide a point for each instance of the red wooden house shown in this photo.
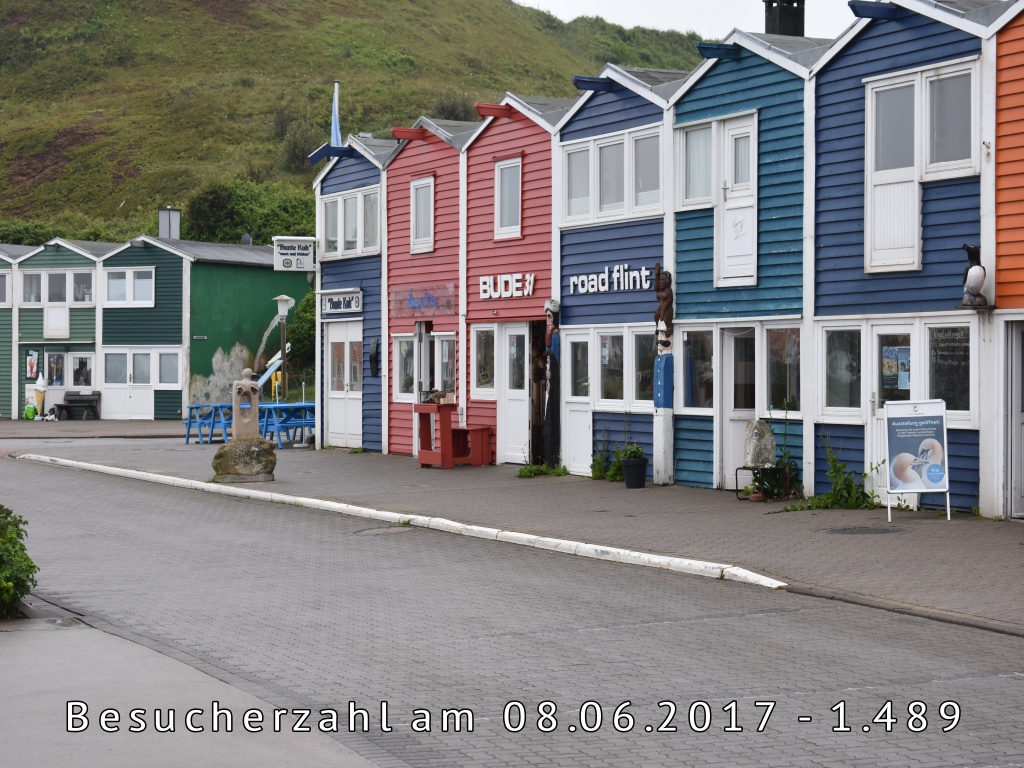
(422, 271)
(508, 270)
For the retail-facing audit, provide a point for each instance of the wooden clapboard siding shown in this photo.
(144, 326)
(731, 86)
(950, 215)
(964, 472)
(619, 109)
(417, 271)
(847, 442)
(590, 250)
(350, 173)
(614, 430)
(1010, 166)
(83, 326)
(363, 273)
(528, 254)
(56, 256)
(694, 445)
(167, 404)
(789, 438)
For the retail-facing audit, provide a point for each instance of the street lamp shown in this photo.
(284, 303)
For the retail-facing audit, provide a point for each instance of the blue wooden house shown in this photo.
(352, 329)
(904, 115)
(610, 195)
(739, 248)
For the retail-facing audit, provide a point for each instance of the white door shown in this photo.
(577, 421)
(890, 370)
(739, 396)
(1017, 419)
(345, 384)
(128, 378)
(513, 391)
(737, 222)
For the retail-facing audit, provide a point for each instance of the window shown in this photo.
(783, 369)
(81, 285)
(621, 173)
(579, 372)
(55, 375)
(445, 362)
(842, 368)
(483, 360)
(355, 216)
(31, 288)
(115, 368)
(355, 366)
(56, 287)
(718, 170)
(131, 287)
(4, 295)
(894, 367)
(422, 215)
(949, 366)
(508, 198)
(698, 369)
(405, 369)
(921, 126)
(611, 366)
(744, 372)
(168, 369)
(81, 370)
(337, 366)
(644, 352)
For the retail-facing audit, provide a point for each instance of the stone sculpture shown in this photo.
(247, 458)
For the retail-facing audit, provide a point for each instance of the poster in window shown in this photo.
(890, 368)
(915, 434)
(903, 361)
(32, 364)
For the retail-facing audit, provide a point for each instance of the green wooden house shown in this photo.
(9, 399)
(180, 320)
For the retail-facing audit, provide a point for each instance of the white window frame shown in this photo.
(397, 396)
(157, 351)
(22, 301)
(922, 171)
(483, 393)
(953, 417)
(764, 373)
(425, 243)
(437, 339)
(567, 338)
(69, 288)
(129, 287)
(834, 414)
(5, 287)
(47, 373)
(337, 202)
(680, 384)
(500, 232)
(629, 208)
(91, 356)
(629, 402)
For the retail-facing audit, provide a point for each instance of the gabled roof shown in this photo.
(981, 18)
(545, 111)
(803, 51)
(457, 133)
(662, 82)
(87, 248)
(377, 151)
(15, 252)
(219, 253)
(655, 85)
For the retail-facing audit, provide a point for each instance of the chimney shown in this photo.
(168, 223)
(784, 17)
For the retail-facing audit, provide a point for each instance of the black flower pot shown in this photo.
(635, 472)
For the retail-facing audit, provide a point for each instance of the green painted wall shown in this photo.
(167, 404)
(146, 326)
(56, 257)
(232, 304)
(83, 326)
(6, 339)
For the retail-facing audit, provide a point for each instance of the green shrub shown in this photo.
(17, 571)
(302, 332)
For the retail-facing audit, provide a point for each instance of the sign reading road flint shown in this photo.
(426, 301)
(294, 254)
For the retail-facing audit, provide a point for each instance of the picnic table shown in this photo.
(288, 419)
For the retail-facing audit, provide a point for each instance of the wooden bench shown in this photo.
(472, 445)
(87, 402)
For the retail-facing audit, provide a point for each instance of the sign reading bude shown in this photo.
(294, 254)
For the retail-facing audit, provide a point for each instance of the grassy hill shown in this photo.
(109, 109)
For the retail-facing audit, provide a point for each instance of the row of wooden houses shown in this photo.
(810, 198)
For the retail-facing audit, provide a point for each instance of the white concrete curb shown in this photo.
(596, 551)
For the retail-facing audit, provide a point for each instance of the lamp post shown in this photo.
(284, 303)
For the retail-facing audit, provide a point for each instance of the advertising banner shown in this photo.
(915, 446)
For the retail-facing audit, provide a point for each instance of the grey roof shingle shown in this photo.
(804, 51)
(549, 108)
(223, 253)
(14, 252)
(96, 249)
(455, 132)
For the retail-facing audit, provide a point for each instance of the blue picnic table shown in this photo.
(290, 420)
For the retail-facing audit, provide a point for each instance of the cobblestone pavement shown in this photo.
(964, 569)
(311, 609)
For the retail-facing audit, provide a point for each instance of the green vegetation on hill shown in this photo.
(110, 109)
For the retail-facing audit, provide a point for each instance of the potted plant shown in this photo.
(634, 464)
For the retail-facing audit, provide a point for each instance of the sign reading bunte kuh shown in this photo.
(294, 254)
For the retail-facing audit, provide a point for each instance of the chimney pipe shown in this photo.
(784, 17)
(168, 223)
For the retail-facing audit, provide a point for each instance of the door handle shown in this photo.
(874, 403)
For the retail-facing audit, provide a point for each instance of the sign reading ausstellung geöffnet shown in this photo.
(915, 447)
(294, 254)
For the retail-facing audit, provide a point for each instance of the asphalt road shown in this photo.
(310, 610)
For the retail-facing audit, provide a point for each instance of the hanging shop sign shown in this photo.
(506, 286)
(337, 302)
(423, 302)
(294, 254)
(617, 278)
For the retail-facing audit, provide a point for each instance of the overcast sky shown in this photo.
(709, 18)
